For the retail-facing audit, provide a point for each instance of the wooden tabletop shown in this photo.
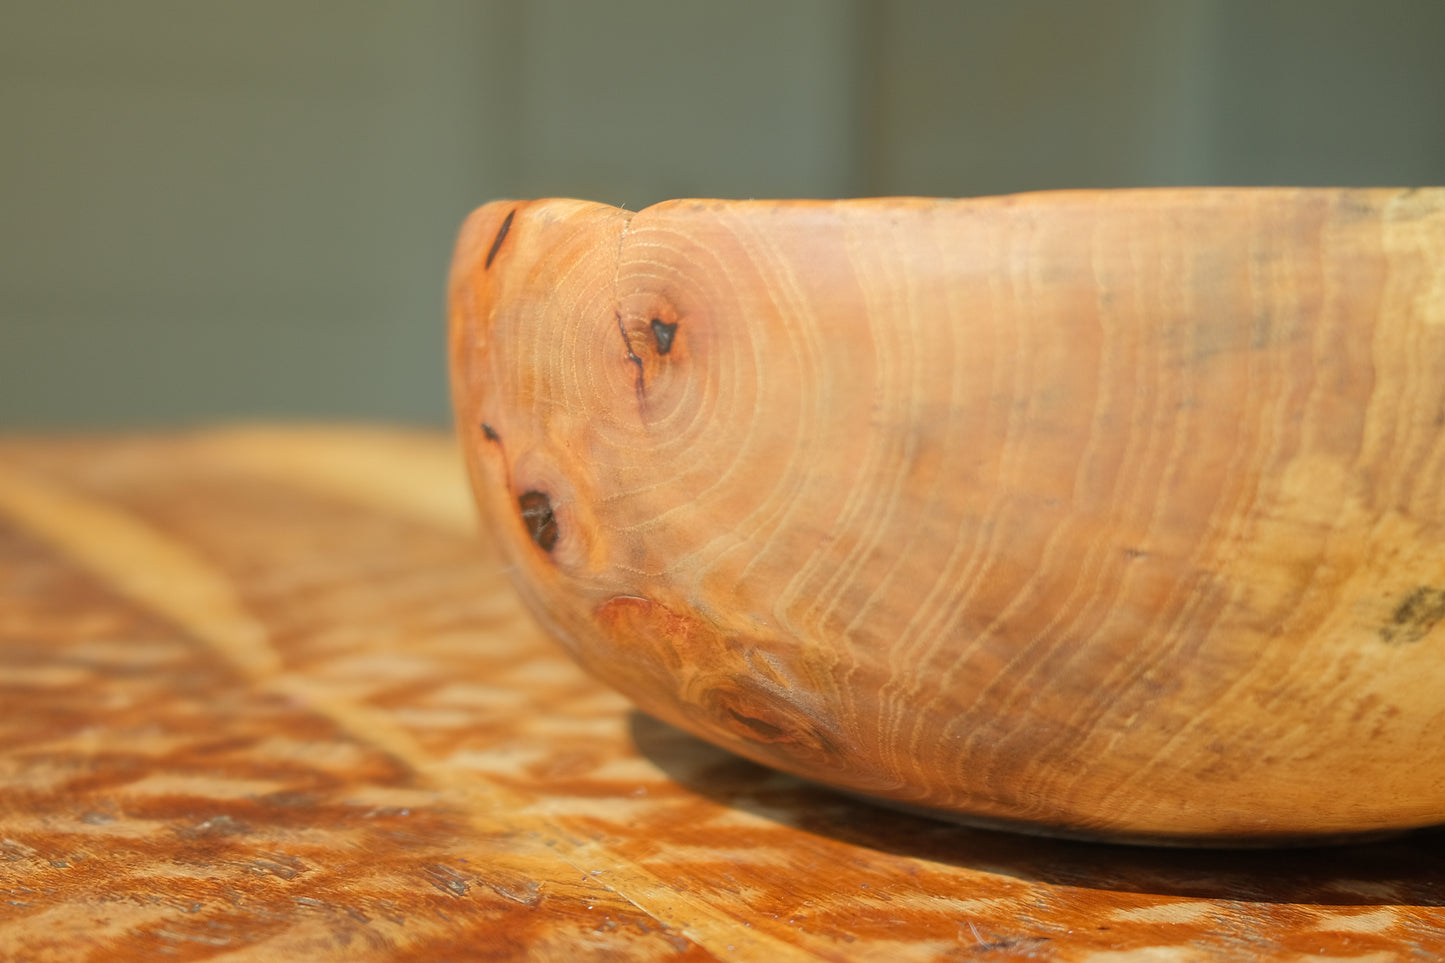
(265, 694)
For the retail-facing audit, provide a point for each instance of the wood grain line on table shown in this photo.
(169, 578)
(145, 566)
(419, 477)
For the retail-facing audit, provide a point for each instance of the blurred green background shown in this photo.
(221, 210)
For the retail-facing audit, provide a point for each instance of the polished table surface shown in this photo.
(266, 694)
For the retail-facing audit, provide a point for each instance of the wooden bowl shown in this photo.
(1117, 514)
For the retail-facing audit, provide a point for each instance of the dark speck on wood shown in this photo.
(1415, 616)
(537, 515)
(501, 236)
(663, 334)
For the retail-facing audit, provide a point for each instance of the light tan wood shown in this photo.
(1106, 513)
(266, 696)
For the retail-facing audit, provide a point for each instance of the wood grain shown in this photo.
(1114, 514)
(331, 731)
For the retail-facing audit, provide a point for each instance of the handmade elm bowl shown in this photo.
(1115, 514)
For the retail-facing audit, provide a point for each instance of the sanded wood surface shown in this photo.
(1111, 513)
(266, 695)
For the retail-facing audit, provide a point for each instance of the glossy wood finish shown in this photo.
(264, 695)
(1105, 513)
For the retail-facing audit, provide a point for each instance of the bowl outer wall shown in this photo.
(1117, 513)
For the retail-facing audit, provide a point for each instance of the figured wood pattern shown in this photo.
(1109, 513)
(265, 695)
